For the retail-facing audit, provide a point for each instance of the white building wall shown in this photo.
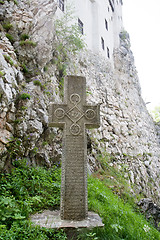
(84, 13)
(93, 14)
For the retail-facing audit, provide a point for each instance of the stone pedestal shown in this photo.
(52, 219)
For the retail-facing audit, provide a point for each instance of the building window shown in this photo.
(80, 25)
(102, 42)
(106, 24)
(61, 4)
(108, 53)
(111, 3)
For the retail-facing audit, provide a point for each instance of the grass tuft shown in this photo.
(1, 74)
(27, 43)
(24, 37)
(9, 59)
(7, 26)
(25, 96)
(10, 37)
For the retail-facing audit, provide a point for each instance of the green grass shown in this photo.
(27, 190)
(10, 37)
(120, 219)
(1, 74)
(37, 83)
(27, 42)
(24, 37)
(7, 26)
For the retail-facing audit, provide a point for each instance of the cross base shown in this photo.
(51, 219)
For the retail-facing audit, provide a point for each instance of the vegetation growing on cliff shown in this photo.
(68, 42)
(156, 114)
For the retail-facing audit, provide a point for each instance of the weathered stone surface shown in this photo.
(5, 136)
(151, 210)
(52, 219)
(74, 115)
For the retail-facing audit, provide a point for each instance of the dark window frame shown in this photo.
(102, 43)
(106, 24)
(81, 26)
(111, 3)
(61, 5)
(108, 53)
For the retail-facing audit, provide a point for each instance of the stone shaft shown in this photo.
(74, 115)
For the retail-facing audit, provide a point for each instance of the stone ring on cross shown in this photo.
(75, 129)
(75, 98)
(59, 113)
(90, 114)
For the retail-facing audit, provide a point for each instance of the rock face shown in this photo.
(151, 210)
(28, 82)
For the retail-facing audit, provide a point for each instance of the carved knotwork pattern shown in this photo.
(75, 114)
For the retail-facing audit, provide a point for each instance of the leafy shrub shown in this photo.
(25, 96)
(25, 69)
(15, 2)
(24, 230)
(69, 41)
(24, 191)
(156, 114)
(9, 210)
(37, 83)
(33, 188)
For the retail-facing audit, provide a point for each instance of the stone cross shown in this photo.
(73, 116)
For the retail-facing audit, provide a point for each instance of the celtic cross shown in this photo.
(73, 116)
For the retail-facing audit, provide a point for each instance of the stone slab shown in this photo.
(51, 219)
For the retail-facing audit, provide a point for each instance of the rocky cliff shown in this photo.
(30, 79)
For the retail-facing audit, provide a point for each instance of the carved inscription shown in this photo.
(75, 194)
